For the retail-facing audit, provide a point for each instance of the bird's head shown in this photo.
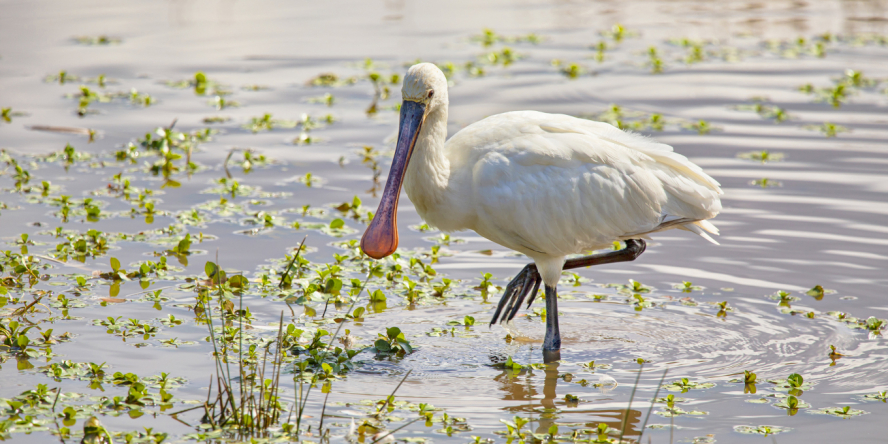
(425, 85)
(424, 92)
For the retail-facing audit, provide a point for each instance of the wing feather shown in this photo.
(560, 185)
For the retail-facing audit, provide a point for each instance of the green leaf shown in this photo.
(377, 296)
(115, 264)
(184, 244)
(210, 268)
(15, 404)
(382, 345)
(392, 332)
(336, 224)
(238, 281)
(795, 380)
(521, 422)
(333, 286)
(817, 291)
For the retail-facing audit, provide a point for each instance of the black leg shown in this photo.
(634, 248)
(526, 282)
(553, 335)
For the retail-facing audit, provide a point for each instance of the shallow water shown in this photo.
(825, 224)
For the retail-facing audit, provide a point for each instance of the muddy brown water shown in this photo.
(825, 224)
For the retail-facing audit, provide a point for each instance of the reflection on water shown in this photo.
(825, 224)
(549, 407)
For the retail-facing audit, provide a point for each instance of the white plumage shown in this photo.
(551, 185)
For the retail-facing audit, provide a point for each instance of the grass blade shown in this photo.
(653, 401)
(290, 265)
(628, 407)
(392, 396)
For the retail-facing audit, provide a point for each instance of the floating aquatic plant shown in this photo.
(392, 343)
(489, 37)
(800, 46)
(794, 384)
(792, 405)
(763, 156)
(327, 99)
(844, 412)
(625, 119)
(880, 396)
(851, 83)
(569, 69)
(505, 56)
(701, 127)
(330, 79)
(765, 430)
(655, 63)
(678, 411)
(600, 49)
(684, 385)
(467, 321)
(617, 33)
(687, 287)
(828, 129)
(200, 84)
(766, 183)
(266, 123)
(817, 292)
(6, 114)
(97, 40)
(766, 110)
(514, 427)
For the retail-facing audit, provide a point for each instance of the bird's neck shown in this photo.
(428, 173)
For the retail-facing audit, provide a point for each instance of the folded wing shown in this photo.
(558, 185)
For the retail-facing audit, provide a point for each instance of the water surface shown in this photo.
(823, 224)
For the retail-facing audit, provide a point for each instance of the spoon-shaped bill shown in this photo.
(381, 237)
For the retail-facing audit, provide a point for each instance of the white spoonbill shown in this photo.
(546, 185)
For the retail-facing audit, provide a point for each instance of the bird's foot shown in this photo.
(526, 282)
(550, 356)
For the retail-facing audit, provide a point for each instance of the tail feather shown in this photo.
(708, 226)
(699, 227)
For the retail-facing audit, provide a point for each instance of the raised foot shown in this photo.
(526, 282)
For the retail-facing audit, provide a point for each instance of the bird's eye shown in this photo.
(431, 93)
